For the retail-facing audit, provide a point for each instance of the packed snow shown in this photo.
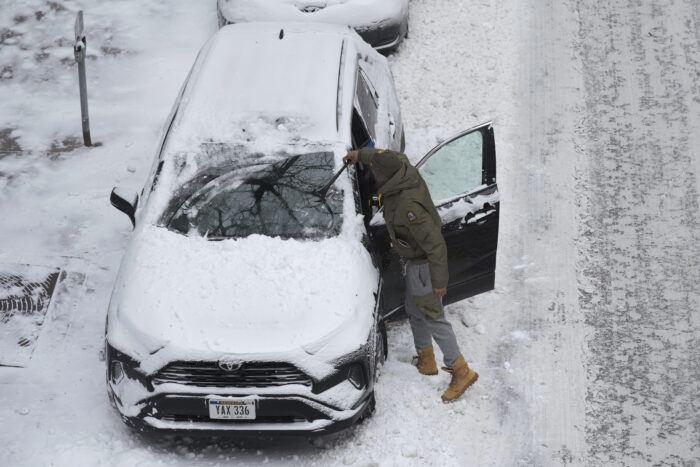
(587, 350)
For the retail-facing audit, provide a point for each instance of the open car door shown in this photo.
(461, 176)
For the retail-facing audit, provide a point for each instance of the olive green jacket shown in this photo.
(411, 218)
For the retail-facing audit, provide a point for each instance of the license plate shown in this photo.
(231, 409)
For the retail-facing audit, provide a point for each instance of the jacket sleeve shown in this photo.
(429, 237)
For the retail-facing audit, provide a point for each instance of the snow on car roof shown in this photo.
(255, 79)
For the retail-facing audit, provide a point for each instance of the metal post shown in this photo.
(79, 51)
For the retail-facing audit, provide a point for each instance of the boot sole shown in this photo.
(428, 374)
(469, 384)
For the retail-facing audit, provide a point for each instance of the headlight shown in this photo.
(356, 376)
(116, 373)
(120, 366)
(127, 384)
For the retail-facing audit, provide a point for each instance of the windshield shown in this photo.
(278, 200)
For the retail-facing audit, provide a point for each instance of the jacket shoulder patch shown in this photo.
(411, 216)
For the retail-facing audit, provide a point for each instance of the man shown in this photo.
(415, 230)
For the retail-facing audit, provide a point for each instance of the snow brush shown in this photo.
(323, 191)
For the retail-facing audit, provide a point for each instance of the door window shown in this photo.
(367, 102)
(455, 168)
(360, 137)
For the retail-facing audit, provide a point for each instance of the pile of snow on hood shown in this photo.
(252, 295)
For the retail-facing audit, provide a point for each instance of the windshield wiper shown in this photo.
(217, 238)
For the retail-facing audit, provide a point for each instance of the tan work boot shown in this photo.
(425, 362)
(462, 378)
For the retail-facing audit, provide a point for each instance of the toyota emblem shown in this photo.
(229, 365)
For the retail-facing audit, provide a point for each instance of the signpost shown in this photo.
(79, 51)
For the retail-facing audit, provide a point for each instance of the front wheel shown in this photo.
(380, 350)
(380, 353)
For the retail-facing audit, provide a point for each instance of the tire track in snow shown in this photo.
(548, 101)
(641, 231)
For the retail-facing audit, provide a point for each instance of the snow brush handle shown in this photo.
(326, 187)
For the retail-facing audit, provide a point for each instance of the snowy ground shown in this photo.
(588, 347)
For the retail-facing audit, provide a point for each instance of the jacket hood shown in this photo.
(404, 178)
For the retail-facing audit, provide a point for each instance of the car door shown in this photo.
(376, 99)
(461, 176)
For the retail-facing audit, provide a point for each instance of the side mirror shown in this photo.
(125, 202)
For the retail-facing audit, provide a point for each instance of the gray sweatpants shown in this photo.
(428, 319)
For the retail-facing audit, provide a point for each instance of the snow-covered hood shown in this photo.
(257, 295)
(356, 13)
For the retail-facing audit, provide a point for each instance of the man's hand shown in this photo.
(439, 293)
(352, 157)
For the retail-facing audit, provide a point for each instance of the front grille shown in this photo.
(195, 408)
(253, 374)
(205, 418)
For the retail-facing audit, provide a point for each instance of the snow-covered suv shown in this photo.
(247, 300)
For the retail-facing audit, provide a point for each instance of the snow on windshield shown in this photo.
(279, 200)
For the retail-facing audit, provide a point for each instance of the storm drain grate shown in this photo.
(25, 294)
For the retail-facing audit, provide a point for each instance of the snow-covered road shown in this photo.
(640, 230)
(588, 347)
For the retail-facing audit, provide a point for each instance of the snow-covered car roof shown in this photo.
(263, 78)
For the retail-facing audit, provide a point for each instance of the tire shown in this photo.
(380, 350)
(380, 355)
(369, 410)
